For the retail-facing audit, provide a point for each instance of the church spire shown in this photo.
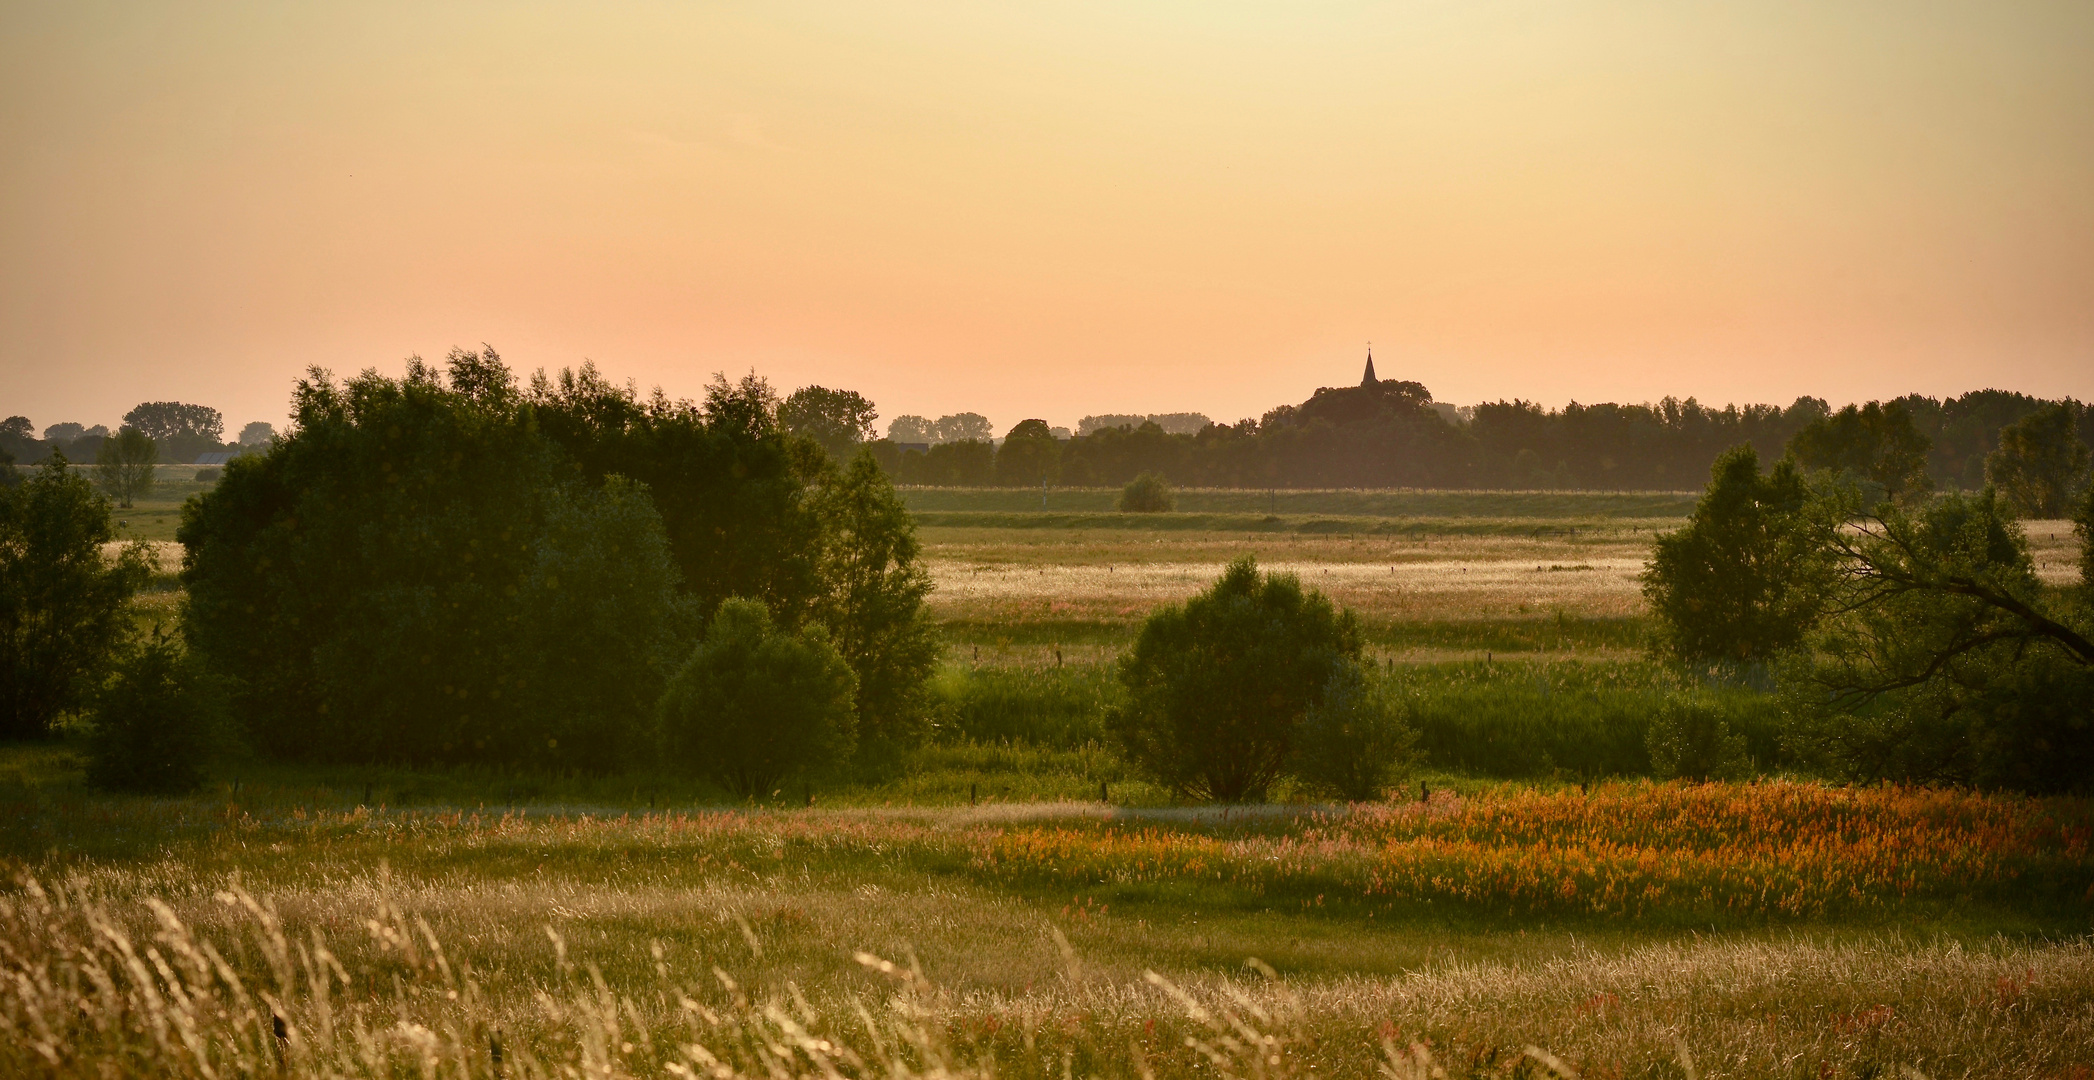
(1368, 380)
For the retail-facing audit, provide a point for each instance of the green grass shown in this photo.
(1568, 719)
(1553, 634)
(1343, 503)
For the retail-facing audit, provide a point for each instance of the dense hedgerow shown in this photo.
(443, 568)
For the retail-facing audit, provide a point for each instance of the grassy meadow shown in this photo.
(1013, 901)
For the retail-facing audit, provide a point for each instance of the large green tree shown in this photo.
(62, 618)
(1219, 686)
(1944, 659)
(1747, 576)
(736, 494)
(2040, 461)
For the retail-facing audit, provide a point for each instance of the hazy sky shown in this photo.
(1055, 209)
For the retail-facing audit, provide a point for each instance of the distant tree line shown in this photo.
(180, 433)
(1392, 434)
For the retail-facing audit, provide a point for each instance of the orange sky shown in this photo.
(1051, 210)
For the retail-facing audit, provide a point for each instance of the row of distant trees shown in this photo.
(1392, 434)
(1387, 434)
(180, 433)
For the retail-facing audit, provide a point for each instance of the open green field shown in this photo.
(1545, 894)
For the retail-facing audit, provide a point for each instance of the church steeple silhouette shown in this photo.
(1368, 380)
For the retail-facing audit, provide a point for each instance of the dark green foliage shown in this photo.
(1146, 494)
(872, 602)
(967, 463)
(601, 617)
(124, 465)
(1994, 721)
(1688, 740)
(2040, 462)
(1355, 742)
(733, 492)
(1745, 579)
(62, 604)
(839, 421)
(1583, 719)
(757, 703)
(1876, 443)
(416, 575)
(1218, 687)
(1946, 660)
(1030, 456)
(158, 724)
(1061, 707)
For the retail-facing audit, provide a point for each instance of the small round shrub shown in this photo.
(1356, 742)
(757, 703)
(157, 723)
(1148, 493)
(1691, 742)
(1218, 688)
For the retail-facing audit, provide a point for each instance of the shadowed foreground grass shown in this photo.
(1772, 929)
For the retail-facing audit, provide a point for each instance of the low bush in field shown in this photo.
(1357, 740)
(758, 703)
(1573, 719)
(157, 723)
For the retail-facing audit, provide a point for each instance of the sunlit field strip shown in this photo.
(1587, 588)
(1775, 850)
(1778, 850)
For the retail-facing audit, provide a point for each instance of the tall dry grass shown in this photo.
(100, 988)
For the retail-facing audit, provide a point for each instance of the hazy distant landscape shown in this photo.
(1574, 829)
(1049, 542)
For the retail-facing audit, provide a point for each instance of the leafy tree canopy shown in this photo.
(1747, 576)
(1944, 659)
(424, 528)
